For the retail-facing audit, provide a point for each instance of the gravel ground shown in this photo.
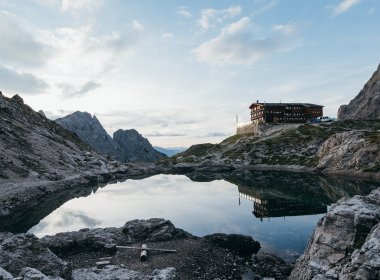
(195, 259)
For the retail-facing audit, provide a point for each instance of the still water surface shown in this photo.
(280, 211)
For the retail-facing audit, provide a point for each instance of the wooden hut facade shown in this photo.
(284, 112)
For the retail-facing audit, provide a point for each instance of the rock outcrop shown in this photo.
(242, 245)
(89, 129)
(136, 147)
(346, 242)
(26, 250)
(366, 105)
(84, 240)
(117, 272)
(33, 148)
(39, 157)
(5, 275)
(350, 151)
(126, 145)
(74, 255)
(152, 230)
(337, 147)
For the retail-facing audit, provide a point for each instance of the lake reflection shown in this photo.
(279, 210)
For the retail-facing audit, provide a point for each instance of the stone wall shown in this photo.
(247, 128)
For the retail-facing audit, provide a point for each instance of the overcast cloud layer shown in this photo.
(181, 71)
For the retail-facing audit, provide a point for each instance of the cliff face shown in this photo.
(90, 130)
(366, 105)
(127, 145)
(33, 148)
(350, 146)
(135, 146)
(346, 242)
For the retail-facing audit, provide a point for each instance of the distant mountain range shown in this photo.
(125, 146)
(170, 151)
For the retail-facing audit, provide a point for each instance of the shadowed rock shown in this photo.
(126, 145)
(366, 105)
(346, 242)
(152, 230)
(26, 250)
(241, 244)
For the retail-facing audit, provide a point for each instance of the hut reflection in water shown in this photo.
(266, 206)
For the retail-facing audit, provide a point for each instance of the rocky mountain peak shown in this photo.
(126, 145)
(89, 129)
(17, 98)
(137, 147)
(366, 105)
(33, 148)
(374, 79)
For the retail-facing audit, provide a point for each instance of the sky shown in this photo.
(181, 71)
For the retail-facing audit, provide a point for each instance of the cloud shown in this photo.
(236, 44)
(83, 56)
(25, 83)
(268, 6)
(69, 90)
(184, 12)
(215, 134)
(158, 134)
(232, 12)
(167, 35)
(77, 5)
(344, 6)
(286, 29)
(18, 46)
(209, 17)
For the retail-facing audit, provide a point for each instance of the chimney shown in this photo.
(257, 101)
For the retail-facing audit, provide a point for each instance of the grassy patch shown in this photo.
(373, 169)
(373, 137)
(196, 150)
(234, 138)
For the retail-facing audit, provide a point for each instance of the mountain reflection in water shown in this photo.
(207, 203)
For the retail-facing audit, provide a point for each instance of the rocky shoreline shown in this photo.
(345, 245)
(30, 201)
(73, 255)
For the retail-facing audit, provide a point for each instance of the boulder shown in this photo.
(346, 242)
(164, 274)
(108, 272)
(241, 244)
(84, 240)
(5, 275)
(26, 250)
(28, 273)
(267, 265)
(152, 230)
(120, 273)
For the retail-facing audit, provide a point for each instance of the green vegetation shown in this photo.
(291, 146)
(234, 138)
(196, 150)
(373, 137)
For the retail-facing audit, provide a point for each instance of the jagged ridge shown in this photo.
(366, 105)
(126, 145)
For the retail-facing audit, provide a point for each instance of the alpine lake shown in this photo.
(278, 209)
